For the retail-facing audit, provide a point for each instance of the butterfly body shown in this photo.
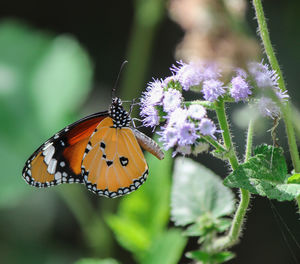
(100, 151)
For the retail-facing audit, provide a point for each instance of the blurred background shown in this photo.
(59, 61)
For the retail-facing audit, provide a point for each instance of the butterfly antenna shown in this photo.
(113, 91)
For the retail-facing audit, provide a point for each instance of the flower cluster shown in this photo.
(186, 124)
(266, 80)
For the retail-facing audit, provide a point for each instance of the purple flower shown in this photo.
(212, 89)
(188, 74)
(207, 127)
(282, 95)
(187, 134)
(240, 89)
(178, 117)
(263, 75)
(172, 100)
(169, 137)
(196, 111)
(268, 108)
(154, 93)
(151, 117)
(211, 71)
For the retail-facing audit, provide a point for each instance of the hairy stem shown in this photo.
(236, 227)
(220, 110)
(214, 143)
(249, 141)
(285, 108)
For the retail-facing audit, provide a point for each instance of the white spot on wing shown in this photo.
(48, 153)
(89, 147)
(62, 164)
(52, 166)
(57, 175)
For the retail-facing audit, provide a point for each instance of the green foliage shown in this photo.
(206, 224)
(97, 261)
(295, 178)
(197, 193)
(265, 174)
(143, 216)
(199, 198)
(167, 248)
(205, 257)
(43, 80)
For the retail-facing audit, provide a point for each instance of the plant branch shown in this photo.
(220, 110)
(248, 151)
(237, 222)
(285, 108)
(214, 143)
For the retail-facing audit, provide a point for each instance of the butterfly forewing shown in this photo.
(113, 163)
(59, 159)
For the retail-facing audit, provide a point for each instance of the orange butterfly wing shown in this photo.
(59, 159)
(114, 163)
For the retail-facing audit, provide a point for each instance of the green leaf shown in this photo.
(97, 261)
(144, 214)
(63, 76)
(36, 71)
(199, 255)
(196, 192)
(167, 248)
(295, 178)
(131, 234)
(265, 174)
(205, 257)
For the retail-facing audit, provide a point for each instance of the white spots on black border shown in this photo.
(57, 175)
(62, 143)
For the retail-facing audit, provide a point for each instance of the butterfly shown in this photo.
(102, 151)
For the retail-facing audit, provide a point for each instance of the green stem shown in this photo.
(249, 141)
(236, 227)
(214, 143)
(93, 228)
(220, 110)
(237, 222)
(147, 17)
(285, 108)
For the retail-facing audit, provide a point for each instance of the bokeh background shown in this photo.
(59, 61)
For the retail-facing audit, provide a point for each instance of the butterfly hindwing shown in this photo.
(59, 159)
(113, 163)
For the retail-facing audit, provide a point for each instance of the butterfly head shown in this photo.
(119, 115)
